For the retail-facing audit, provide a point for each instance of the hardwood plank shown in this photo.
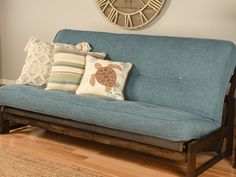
(106, 160)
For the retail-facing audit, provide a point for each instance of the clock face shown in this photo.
(130, 14)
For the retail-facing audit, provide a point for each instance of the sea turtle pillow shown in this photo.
(104, 78)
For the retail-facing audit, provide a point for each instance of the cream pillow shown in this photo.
(82, 46)
(68, 68)
(39, 60)
(37, 64)
(104, 78)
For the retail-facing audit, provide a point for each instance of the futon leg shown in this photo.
(230, 133)
(4, 124)
(191, 161)
(234, 163)
(229, 145)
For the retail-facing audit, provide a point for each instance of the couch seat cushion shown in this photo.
(137, 117)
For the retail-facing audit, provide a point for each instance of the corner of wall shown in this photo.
(0, 58)
(1, 25)
(0, 47)
(0, 64)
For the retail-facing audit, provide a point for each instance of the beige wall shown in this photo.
(43, 18)
(0, 41)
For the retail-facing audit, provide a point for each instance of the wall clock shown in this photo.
(130, 14)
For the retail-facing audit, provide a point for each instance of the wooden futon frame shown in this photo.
(219, 142)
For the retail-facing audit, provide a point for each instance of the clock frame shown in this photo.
(131, 14)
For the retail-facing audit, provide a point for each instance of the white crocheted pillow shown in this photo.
(38, 63)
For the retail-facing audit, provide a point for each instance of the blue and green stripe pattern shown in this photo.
(68, 68)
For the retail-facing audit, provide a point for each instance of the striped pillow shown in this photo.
(68, 68)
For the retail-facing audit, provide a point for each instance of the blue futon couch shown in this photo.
(176, 99)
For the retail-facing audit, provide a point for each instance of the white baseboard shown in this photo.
(7, 82)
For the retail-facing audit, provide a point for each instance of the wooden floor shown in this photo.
(102, 159)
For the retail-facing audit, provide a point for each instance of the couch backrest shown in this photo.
(181, 73)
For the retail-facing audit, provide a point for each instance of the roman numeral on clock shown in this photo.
(155, 4)
(143, 17)
(103, 4)
(128, 21)
(113, 15)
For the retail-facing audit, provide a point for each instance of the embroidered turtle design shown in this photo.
(105, 76)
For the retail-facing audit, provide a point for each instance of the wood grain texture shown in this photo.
(139, 138)
(106, 160)
(211, 142)
(118, 142)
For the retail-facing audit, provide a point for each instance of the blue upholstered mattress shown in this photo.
(131, 116)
